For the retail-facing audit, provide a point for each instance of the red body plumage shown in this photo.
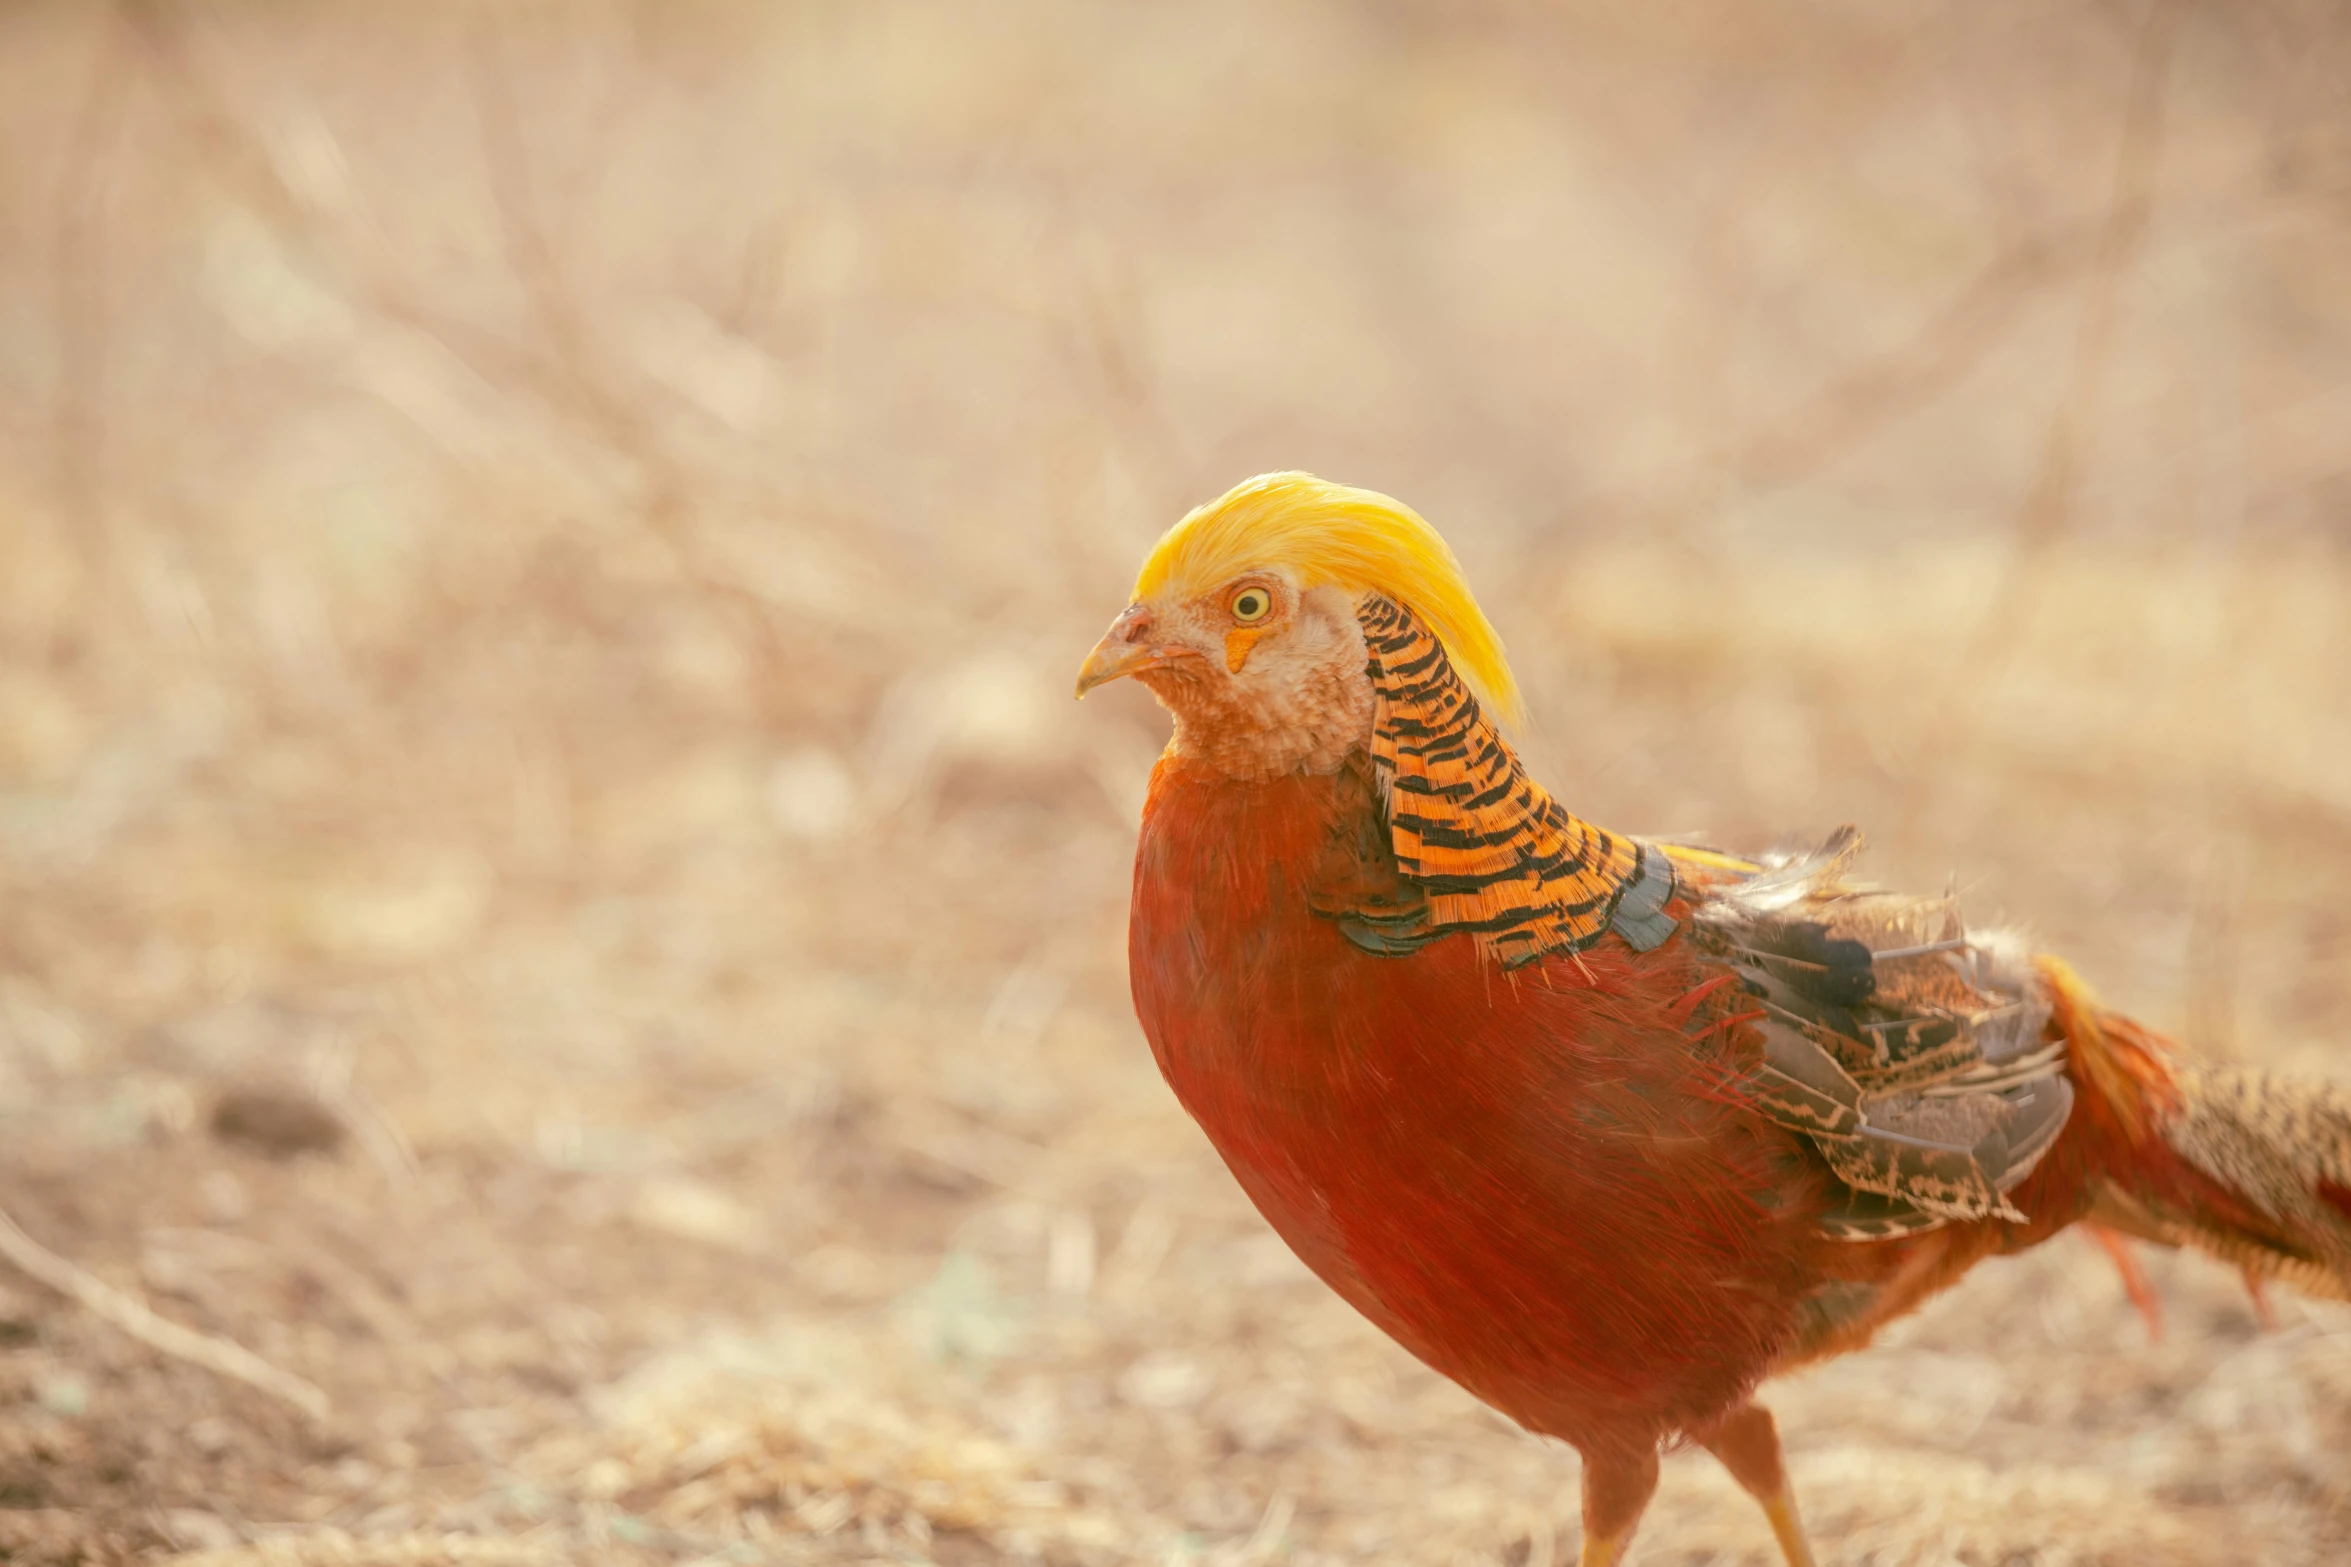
(1501, 1169)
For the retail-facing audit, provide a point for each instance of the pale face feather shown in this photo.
(1299, 700)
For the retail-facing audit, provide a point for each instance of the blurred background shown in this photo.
(551, 887)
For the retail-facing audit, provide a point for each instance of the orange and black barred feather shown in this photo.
(1492, 853)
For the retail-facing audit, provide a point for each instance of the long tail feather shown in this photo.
(2253, 1167)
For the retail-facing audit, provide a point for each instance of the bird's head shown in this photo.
(1244, 622)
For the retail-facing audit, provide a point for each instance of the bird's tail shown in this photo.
(2248, 1165)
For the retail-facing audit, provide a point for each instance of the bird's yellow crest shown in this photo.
(1356, 540)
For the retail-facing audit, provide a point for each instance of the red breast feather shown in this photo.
(1517, 1175)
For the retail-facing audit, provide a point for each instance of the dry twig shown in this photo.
(2119, 242)
(2048, 509)
(110, 1305)
(80, 285)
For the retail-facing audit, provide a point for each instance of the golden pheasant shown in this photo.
(1608, 1129)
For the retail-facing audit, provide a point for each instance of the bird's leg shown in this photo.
(1617, 1487)
(1748, 1443)
(2134, 1278)
(2263, 1312)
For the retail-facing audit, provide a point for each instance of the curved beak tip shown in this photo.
(1109, 661)
(1115, 657)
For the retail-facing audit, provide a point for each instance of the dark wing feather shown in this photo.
(1357, 883)
(1913, 1054)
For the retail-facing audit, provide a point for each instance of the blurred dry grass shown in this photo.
(541, 554)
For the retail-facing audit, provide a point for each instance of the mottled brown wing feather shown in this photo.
(1915, 1056)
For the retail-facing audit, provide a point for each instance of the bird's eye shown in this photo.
(1251, 605)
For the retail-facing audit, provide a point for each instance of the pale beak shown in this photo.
(1127, 649)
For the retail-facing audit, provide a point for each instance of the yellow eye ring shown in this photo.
(1251, 605)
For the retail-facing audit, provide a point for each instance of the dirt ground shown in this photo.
(551, 887)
